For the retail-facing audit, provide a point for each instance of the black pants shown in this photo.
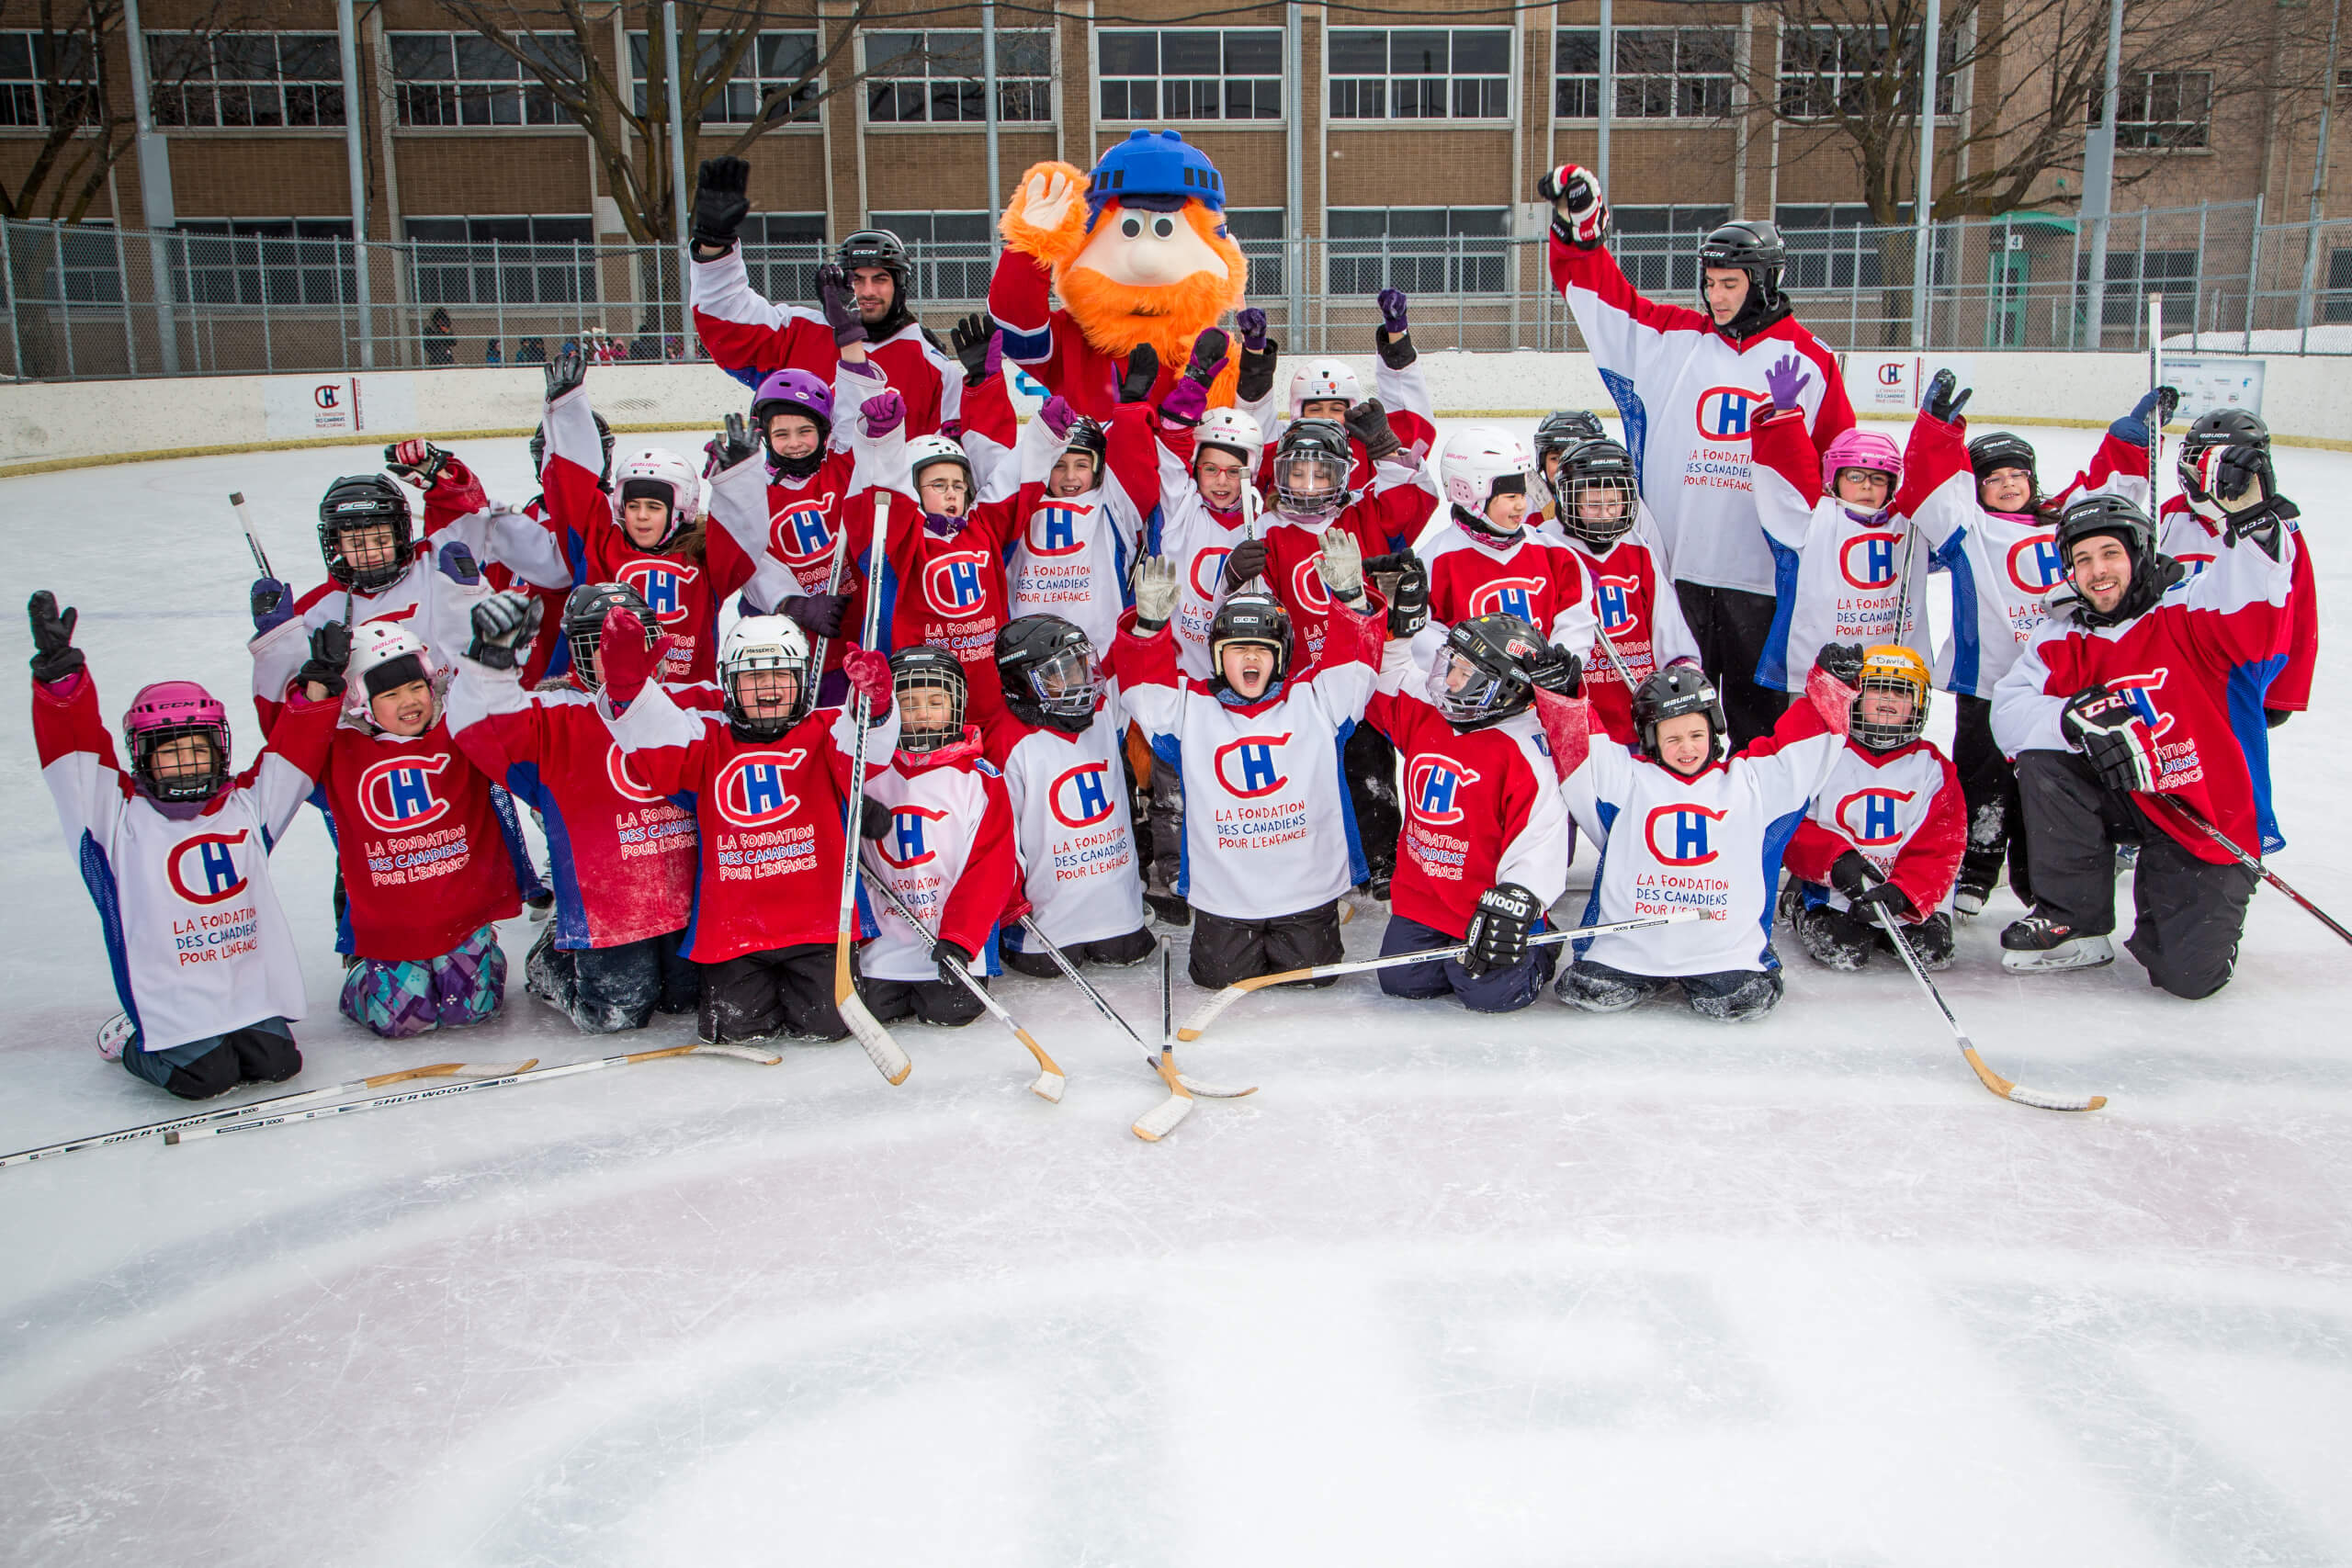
(1225, 951)
(2189, 913)
(786, 990)
(259, 1052)
(1730, 626)
(1988, 783)
(944, 1002)
(604, 990)
(1370, 762)
(1116, 950)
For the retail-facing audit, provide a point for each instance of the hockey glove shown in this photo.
(1342, 566)
(969, 338)
(1186, 402)
(418, 462)
(330, 657)
(1143, 369)
(1841, 661)
(1368, 422)
(1408, 604)
(1251, 323)
(503, 623)
(54, 655)
(457, 564)
(1246, 561)
(1558, 671)
(567, 371)
(720, 204)
(883, 412)
(2132, 427)
(1941, 403)
(869, 676)
(1498, 929)
(728, 448)
(840, 307)
(1259, 353)
(1154, 593)
(950, 958)
(873, 819)
(1392, 313)
(624, 661)
(2108, 731)
(1059, 415)
(1579, 211)
(819, 614)
(2238, 478)
(271, 603)
(1786, 381)
(1208, 355)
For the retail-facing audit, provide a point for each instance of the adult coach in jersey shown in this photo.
(1691, 387)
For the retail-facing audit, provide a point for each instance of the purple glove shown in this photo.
(821, 612)
(1252, 325)
(994, 363)
(884, 412)
(1186, 402)
(1785, 380)
(457, 565)
(1059, 415)
(272, 604)
(1391, 312)
(841, 311)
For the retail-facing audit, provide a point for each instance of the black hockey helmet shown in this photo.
(362, 501)
(2222, 427)
(1253, 618)
(1046, 665)
(1316, 450)
(1588, 467)
(1089, 436)
(1564, 428)
(1754, 247)
(539, 452)
(2004, 449)
(1677, 690)
(2113, 517)
(1495, 659)
(879, 247)
(583, 624)
(925, 667)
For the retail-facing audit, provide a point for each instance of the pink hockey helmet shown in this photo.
(164, 712)
(1861, 448)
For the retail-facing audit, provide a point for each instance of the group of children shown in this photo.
(1316, 664)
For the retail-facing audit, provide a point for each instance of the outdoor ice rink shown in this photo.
(1546, 1289)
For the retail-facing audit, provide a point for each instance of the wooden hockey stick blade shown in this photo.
(1210, 1092)
(1049, 1082)
(1161, 1120)
(740, 1053)
(880, 1049)
(2020, 1094)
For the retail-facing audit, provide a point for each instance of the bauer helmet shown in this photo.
(583, 624)
(655, 474)
(2000, 449)
(1478, 465)
(1594, 488)
(1230, 430)
(1320, 378)
(385, 656)
(759, 646)
(1484, 673)
(1565, 429)
(926, 451)
(1677, 690)
(1252, 618)
(2223, 427)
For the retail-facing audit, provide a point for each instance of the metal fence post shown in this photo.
(122, 280)
(261, 281)
(498, 302)
(2252, 271)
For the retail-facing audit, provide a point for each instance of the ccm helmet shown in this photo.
(1755, 247)
(169, 711)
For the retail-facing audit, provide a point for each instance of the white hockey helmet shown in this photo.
(1230, 430)
(385, 656)
(1475, 460)
(1323, 379)
(656, 473)
(926, 450)
(760, 643)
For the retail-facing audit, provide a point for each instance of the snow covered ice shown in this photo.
(1544, 1288)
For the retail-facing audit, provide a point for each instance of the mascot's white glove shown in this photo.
(1048, 199)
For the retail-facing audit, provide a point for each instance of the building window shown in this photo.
(2131, 276)
(274, 261)
(2337, 304)
(1836, 246)
(1421, 250)
(1827, 72)
(246, 79)
(775, 63)
(782, 252)
(502, 261)
(1420, 73)
(2156, 110)
(1659, 246)
(1185, 74)
(465, 79)
(30, 82)
(939, 77)
(1258, 230)
(951, 251)
(1660, 73)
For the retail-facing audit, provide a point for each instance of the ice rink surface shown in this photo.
(1542, 1289)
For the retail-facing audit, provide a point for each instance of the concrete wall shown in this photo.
(43, 424)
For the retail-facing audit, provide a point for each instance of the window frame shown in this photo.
(35, 88)
(2144, 82)
(1100, 81)
(499, 268)
(1663, 262)
(1948, 82)
(1430, 264)
(1047, 88)
(929, 265)
(803, 116)
(1390, 78)
(190, 234)
(522, 83)
(166, 83)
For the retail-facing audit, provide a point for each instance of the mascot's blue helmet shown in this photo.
(1155, 170)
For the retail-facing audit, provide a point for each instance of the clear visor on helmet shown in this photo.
(1310, 484)
(764, 686)
(1460, 690)
(931, 709)
(1065, 683)
(1887, 712)
(1599, 509)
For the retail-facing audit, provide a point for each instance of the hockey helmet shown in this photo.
(1755, 247)
(1600, 474)
(1252, 618)
(361, 500)
(757, 645)
(1158, 171)
(2003, 449)
(1090, 440)
(1858, 448)
(1484, 673)
(1671, 692)
(795, 391)
(1047, 667)
(2113, 516)
(539, 451)
(926, 668)
(924, 451)
(583, 624)
(385, 656)
(2222, 427)
(1564, 428)
(1311, 464)
(657, 474)
(162, 713)
(1230, 430)
(1893, 670)
(1480, 463)
(1321, 378)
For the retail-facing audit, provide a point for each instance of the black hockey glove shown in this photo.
(1143, 369)
(54, 655)
(1866, 890)
(1368, 422)
(1841, 661)
(1946, 396)
(1248, 559)
(728, 448)
(949, 957)
(1209, 350)
(1558, 671)
(503, 623)
(720, 204)
(330, 657)
(1259, 353)
(1498, 929)
(873, 819)
(1408, 600)
(267, 601)
(2111, 734)
(819, 613)
(969, 338)
(568, 371)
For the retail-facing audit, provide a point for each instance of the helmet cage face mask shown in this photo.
(1064, 685)
(1896, 673)
(185, 788)
(929, 675)
(759, 659)
(367, 579)
(1572, 489)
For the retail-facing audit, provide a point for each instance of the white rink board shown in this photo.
(1540, 1289)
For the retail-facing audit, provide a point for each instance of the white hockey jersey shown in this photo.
(1636, 609)
(948, 854)
(1197, 537)
(1072, 824)
(424, 600)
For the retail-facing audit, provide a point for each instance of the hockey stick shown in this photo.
(563, 1070)
(1103, 1005)
(1984, 1075)
(2156, 379)
(253, 540)
(2252, 865)
(880, 1049)
(277, 1102)
(833, 587)
(1050, 1076)
(1161, 1118)
(1208, 1011)
(1616, 659)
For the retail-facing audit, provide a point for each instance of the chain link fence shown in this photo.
(89, 302)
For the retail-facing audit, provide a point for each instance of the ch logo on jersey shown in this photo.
(1082, 797)
(1307, 587)
(1507, 596)
(1435, 786)
(203, 871)
(1209, 571)
(957, 584)
(911, 838)
(396, 796)
(1245, 767)
(1724, 412)
(751, 791)
(2035, 564)
(1867, 560)
(802, 533)
(665, 586)
(2140, 691)
(1053, 529)
(623, 779)
(1868, 817)
(1612, 600)
(1680, 835)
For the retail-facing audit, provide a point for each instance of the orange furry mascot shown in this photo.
(1138, 252)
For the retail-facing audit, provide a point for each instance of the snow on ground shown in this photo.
(1543, 1287)
(2322, 337)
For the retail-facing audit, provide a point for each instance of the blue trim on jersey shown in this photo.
(1967, 641)
(1359, 868)
(1608, 814)
(1776, 845)
(1772, 666)
(97, 875)
(2247, 686)
(750, 376)
(1028, 348)
(885, 627)
(571, 931)
(518, 849)
(1119, 561)
(1636, 417)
